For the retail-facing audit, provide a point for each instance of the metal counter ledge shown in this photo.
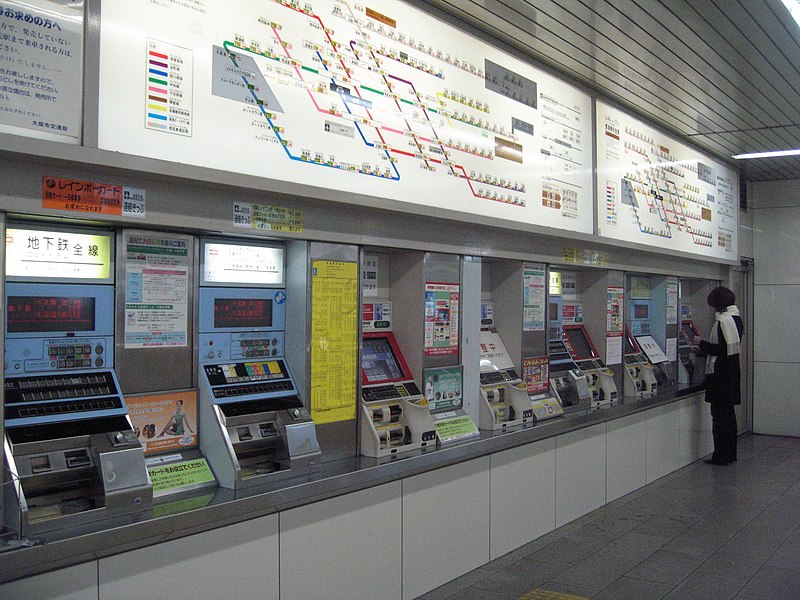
(203, 510)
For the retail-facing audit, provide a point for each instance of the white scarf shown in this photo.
(730, 332)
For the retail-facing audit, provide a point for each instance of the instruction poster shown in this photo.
(334, 340)
(156, 290)
(165, 422)
(41, 44)
(443, 387)
(441, 318)
(672, 301)
(536, 374)
(533, 301)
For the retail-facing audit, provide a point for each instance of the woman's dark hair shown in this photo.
(721, 298)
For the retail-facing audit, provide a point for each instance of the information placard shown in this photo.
(334, 340)
(41, 45)
(441, 318)
(382, 101)
(653, 190)
(156, 289)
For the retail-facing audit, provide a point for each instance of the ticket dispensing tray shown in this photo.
(71, 450)
(566, 381)
(263, 425)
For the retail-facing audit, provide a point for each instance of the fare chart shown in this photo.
(378, 99)
(654, 190)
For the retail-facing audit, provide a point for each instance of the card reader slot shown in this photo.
(77, 459)
(66, 429)
(249, 407)
(40, 464)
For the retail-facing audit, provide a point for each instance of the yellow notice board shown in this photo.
(334, 340)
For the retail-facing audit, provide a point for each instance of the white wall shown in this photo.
(776, 353)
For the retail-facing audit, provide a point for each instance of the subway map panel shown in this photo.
(376, 99)
(653, 190)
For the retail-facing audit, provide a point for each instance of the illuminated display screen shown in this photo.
(44, 254)
(630, 347)
(379, 362)
(689, 331)
(641, 311)
(242, 312)
(240, 264)
(579, 342)
(42, 314)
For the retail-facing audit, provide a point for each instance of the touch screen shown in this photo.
(579, 342)
(378, 361)
(43, 314)
(242, 312)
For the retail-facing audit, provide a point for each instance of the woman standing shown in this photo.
(723, 373)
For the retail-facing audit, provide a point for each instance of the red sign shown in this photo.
(81, 196)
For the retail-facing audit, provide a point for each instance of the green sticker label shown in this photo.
(458, 427)
(175, 477)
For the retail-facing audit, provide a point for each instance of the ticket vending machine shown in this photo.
(567, 382)
(395, 415)
(253, 422)
(69, 446)
(504, 397)
(587, 359)
(640, 378)
(691, 367)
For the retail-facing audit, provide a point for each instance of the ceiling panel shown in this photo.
(723, 73)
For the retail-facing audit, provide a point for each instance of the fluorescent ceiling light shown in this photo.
(772, 154)
(793, 6)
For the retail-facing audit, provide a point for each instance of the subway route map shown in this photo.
(379, 100)
(655, 191)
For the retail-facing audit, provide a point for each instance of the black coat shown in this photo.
(723, 385)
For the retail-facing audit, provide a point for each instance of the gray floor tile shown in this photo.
(666, 566)
(521, 577)
(474, 593)
(634, 546)
(567, 550)
(665, 526)
(633, 589)
(708, 584)
(773, 583)
(595, 572)
(787, 556)
(567, 588)
(702, 542)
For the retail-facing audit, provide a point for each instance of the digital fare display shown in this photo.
(379, 362)
(641, 311)
(242, 313)
(44, 314)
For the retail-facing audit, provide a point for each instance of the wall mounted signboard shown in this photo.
(656, 191)
(380, 100)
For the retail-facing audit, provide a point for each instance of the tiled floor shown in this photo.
(704, 532)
